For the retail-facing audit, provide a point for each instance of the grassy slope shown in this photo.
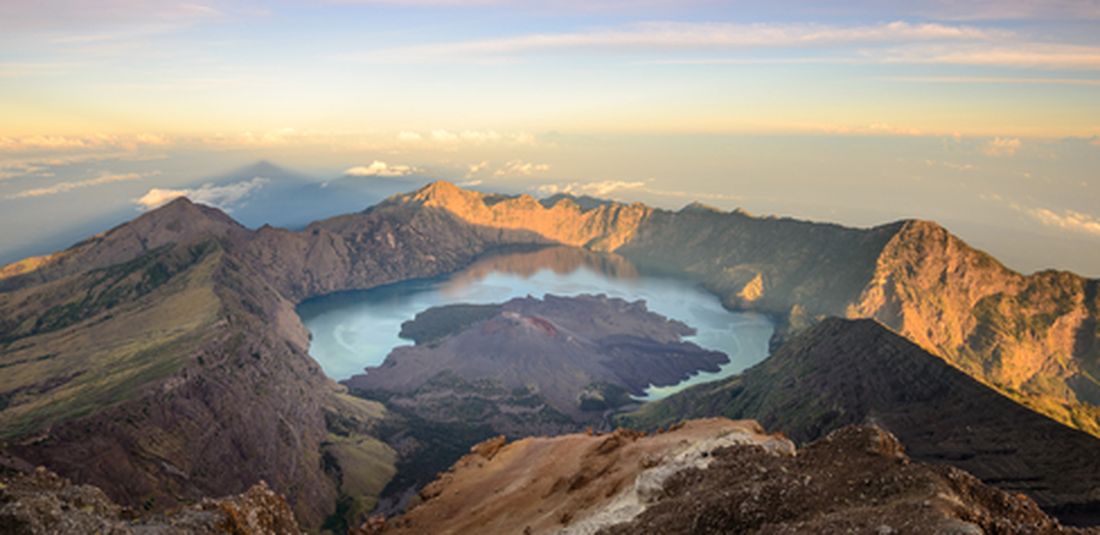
(104, 352)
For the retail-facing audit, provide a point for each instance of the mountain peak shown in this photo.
(700, 208)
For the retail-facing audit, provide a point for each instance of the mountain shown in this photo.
(1034, 338)
(163, 360)
(843, 372)
(709, 476)
(168, 351)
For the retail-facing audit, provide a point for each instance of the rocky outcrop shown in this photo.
(710, 476)
(843, 372)
(600, 227)
(854, 480)
(1032, 337)
(43, 503)
(576, 483)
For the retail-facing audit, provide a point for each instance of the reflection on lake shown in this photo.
(355, 330)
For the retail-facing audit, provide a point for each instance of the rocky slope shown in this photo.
(709, 476)
(533, 366)
(42, 503)
(1035, 338)
(843, 372)
(168, 349)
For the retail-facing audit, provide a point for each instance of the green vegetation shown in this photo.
(364, 466)
(72, 369)
(603, 396)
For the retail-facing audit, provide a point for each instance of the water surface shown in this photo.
(356, 330)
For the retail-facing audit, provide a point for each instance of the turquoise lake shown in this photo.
(356, 330)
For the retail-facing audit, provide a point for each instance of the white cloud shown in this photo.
(684, 35)
(1001, 147)
(521, 168)
(597, 189)
(93, 141)
(1066, 219)
(223, 197)
(448, 138)
(65, 187)
(608, 188)
(995, 80)
(378, 168)
(444, 136)
(951, 165)
(1011, 53)
(475, 169)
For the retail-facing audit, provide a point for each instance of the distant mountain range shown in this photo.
(163, 360)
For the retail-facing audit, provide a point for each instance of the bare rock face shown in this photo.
(41, 503)
(855, 480)
(576, 483)
(842, 372)
(710, 476)
(601, 227)
(1032, 337)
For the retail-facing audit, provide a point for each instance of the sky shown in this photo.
(983, 115)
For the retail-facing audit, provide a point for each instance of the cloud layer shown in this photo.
(65, 187)
(379, 168)
(224, 197)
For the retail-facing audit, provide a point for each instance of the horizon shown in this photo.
(982, 116)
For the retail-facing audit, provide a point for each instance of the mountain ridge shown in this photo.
(115, 293)
(862, 372)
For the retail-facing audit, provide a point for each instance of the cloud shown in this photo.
(681, 36)
(223, 197)
(951, 165)
(1018, 54)
(383, 169)
(607, 188)
(449, 138)
(92, 141)
(1066, 219)
(596, 189)
(65, 187)
(995, 80)
(475, 169)
(1001, 147)
(521, 168)
(1095, 141)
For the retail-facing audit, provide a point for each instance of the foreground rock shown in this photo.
(42, 502)
(578, 481)
(710, 476)
(843, 372)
